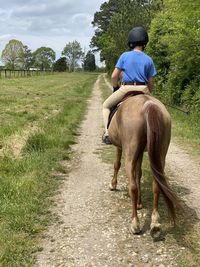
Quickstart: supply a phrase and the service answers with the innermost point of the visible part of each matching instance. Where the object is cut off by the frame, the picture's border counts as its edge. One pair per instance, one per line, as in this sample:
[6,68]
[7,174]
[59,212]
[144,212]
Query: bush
[191,97]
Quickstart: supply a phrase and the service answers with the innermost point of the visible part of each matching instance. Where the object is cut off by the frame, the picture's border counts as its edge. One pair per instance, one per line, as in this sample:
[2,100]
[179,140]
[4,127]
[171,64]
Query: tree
[28,58]
[112,39]
[89,61]
[73,53]
[13,54]
[60,64]
[44,58]
[129,11]
[174,45]
[102,19]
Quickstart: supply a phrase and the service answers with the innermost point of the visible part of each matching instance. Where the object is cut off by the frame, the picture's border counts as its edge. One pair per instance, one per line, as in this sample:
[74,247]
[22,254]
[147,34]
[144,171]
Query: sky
[50,23]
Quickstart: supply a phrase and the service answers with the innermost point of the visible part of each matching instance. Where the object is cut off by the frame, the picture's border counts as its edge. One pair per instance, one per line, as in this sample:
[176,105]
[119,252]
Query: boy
[137,71]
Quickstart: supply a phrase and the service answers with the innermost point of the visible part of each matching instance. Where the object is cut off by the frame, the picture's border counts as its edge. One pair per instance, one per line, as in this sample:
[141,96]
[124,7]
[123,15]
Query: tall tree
[44,58]
[13,54]
[175,47]
[102,19]
[60,64]
[73,53]
[112,40]
[89,61]
[28,58]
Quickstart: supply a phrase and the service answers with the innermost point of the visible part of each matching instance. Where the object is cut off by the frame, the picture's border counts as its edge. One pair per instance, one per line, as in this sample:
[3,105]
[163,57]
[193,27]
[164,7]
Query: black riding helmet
[138,36]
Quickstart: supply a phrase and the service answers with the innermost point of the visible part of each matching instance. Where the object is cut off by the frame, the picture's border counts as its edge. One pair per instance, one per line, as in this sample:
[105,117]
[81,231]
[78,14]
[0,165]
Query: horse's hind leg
[138,180]
[155,229]
[117,165]
[133,191]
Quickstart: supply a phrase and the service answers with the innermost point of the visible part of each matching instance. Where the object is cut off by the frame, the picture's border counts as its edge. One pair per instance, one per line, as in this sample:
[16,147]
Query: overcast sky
[50,23]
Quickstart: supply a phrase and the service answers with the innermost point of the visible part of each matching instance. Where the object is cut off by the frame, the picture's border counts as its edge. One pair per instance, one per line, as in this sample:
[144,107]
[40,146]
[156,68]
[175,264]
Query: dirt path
[187,174]
[93,225]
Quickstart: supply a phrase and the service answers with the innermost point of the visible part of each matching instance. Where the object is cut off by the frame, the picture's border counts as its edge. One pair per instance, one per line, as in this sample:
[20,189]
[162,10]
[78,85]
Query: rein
[179,109]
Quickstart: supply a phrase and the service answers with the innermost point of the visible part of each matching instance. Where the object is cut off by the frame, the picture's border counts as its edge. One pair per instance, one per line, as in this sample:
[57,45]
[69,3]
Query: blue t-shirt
[136,67]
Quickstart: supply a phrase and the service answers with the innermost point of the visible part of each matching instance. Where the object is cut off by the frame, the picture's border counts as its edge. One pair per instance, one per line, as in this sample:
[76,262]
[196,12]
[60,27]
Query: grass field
[39,119]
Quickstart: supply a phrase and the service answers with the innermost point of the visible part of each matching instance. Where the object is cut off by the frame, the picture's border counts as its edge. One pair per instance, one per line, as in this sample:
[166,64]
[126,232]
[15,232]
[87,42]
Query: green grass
[185,131]
[36,97]
[185,128]
[27,182]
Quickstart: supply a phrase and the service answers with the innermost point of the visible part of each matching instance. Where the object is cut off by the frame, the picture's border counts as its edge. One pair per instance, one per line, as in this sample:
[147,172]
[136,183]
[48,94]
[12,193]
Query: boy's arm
[151,84]
[115,77]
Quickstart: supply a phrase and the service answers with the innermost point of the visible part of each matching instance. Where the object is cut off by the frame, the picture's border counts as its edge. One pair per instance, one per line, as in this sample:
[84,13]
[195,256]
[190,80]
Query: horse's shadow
[184,223]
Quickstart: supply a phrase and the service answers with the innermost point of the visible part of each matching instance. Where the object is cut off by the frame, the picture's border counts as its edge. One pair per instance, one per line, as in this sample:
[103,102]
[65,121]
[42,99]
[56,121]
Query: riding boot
[106,140]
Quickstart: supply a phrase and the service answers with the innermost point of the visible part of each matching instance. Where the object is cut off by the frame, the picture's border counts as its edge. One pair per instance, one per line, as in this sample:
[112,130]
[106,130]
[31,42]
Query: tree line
[174,31]
[17,56]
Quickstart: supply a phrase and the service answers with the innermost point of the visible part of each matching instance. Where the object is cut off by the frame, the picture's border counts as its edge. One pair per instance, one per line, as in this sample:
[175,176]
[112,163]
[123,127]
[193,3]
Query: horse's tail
[157,131]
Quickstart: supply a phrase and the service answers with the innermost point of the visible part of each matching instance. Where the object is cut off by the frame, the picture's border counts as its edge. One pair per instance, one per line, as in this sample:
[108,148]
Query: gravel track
[92,229]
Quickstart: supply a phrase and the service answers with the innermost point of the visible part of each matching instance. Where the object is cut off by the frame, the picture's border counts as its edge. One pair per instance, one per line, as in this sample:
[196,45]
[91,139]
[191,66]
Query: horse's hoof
[135,230]
[139,206]
[156,233]
[112,188]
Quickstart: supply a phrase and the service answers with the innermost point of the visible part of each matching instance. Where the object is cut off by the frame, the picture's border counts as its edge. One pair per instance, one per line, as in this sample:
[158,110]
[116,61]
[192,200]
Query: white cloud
[5,37]
[51,23]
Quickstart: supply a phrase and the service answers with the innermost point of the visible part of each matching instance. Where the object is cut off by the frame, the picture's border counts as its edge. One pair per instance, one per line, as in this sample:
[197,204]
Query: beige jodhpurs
[115,98]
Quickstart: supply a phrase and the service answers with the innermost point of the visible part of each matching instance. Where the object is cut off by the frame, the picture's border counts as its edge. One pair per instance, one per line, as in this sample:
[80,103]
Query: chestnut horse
[143,123]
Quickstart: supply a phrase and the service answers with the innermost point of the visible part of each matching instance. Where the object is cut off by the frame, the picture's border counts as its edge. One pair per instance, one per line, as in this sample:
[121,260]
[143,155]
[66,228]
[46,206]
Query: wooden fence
[5,73]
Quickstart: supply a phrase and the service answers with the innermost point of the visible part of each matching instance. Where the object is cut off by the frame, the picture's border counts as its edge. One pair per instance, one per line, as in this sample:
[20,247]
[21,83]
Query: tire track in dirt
[92,229]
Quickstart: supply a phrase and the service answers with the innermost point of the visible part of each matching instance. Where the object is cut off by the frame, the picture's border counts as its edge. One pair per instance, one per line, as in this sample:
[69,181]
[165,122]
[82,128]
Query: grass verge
[28,182]
[185,131]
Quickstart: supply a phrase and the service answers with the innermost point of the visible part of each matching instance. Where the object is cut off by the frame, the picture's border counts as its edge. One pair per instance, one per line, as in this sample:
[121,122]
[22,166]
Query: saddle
[115,108]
